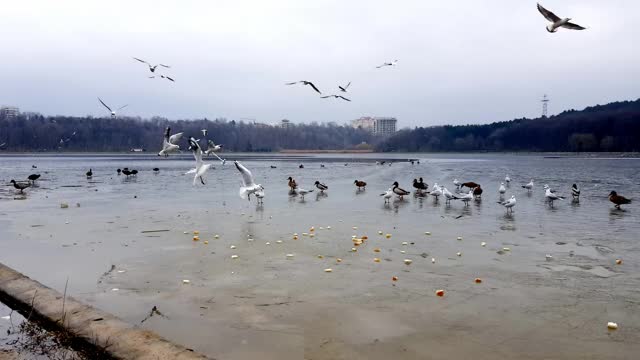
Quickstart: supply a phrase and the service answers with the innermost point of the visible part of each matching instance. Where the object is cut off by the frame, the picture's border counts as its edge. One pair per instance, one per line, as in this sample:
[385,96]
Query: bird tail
[192,171]
[524,187]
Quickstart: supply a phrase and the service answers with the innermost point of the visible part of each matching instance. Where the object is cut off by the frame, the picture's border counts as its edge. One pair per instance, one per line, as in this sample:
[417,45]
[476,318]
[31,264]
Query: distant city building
[384,125]
[286,124]
[364,123]
[376,125]
[9,112]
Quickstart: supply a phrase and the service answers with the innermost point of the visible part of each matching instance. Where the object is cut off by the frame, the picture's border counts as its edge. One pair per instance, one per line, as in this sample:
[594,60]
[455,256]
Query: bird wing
[169,78]
[383,65]
[548,14]
[122,107]
[573,26]
[163,65]
[142,61]
[167,133]
[324,97]
[343,98]
[247,177]
[314,87]
[175,138]
[197,151]
[291,83]
[346,87]
[105,105]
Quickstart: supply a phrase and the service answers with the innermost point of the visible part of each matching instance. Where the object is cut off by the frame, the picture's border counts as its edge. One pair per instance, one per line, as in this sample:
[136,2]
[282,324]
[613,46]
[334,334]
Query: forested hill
[611,127]
[59,133]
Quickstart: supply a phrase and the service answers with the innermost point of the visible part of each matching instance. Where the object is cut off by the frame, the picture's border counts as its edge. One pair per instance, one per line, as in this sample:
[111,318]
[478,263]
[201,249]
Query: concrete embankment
[91,327]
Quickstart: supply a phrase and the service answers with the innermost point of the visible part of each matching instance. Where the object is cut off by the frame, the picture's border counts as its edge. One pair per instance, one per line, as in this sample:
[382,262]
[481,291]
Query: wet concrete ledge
[92,327]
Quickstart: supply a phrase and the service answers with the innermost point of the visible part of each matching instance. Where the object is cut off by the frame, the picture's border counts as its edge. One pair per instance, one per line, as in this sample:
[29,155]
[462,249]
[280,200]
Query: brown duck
[618,200]
[292,184]
[360,184]
[470,185]
[477,192]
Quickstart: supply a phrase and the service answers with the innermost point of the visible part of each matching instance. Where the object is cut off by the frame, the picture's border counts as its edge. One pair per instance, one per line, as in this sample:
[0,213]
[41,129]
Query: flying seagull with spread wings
[170,142]
[113,112]
[335,96]
[152,68]
[393,63]
[557,22]
[304,82]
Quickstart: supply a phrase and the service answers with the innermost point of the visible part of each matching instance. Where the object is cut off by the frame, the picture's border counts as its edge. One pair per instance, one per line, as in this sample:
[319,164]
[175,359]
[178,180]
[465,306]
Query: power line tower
[545,102]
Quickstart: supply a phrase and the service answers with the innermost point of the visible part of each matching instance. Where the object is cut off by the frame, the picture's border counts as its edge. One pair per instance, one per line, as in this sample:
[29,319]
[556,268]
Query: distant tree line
[34,132]
[611,127]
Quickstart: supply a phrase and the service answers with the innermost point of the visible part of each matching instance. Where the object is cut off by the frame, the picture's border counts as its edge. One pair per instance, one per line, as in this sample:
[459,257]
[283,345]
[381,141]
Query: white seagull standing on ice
[248,185]
[529,186]
[448,195]
[113,112]
[509,204]
[456,183]
[557,22]
[502,189]
[436,191]
[507,179]
[387,195]
[302,192]
[201,167]
[467,197]
[170,142]
[551,196]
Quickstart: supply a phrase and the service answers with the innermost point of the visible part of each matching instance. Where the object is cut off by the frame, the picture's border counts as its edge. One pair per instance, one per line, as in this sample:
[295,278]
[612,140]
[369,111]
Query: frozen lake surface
[265,305]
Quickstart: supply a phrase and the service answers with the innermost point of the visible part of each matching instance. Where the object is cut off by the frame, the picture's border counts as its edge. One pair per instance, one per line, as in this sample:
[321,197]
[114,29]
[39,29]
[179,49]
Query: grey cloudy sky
[464,61]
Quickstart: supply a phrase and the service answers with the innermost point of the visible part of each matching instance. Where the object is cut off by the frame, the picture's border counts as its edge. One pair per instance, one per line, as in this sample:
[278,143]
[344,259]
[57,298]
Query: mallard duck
[89,173]
[320,186]
[33,178]
[477,192]
[618,199]
[292,184]
[399,191]
[360,184]
[20,185]
[575,191]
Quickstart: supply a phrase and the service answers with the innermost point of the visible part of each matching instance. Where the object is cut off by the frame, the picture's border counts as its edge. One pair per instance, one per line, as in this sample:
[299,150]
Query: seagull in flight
[393,63]
[344,89]
[335,96]
[557,22]
[248,185]
[113,112]
[204,132]
[304,82]
[170,142]
[152,68]
[201,168]
[212,148]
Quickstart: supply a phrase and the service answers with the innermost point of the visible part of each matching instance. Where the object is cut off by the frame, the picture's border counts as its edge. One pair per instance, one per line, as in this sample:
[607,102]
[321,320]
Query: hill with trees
[611,127]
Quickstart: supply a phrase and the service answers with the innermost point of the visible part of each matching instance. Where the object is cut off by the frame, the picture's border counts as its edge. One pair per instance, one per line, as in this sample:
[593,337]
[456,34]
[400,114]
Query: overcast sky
[464,61]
